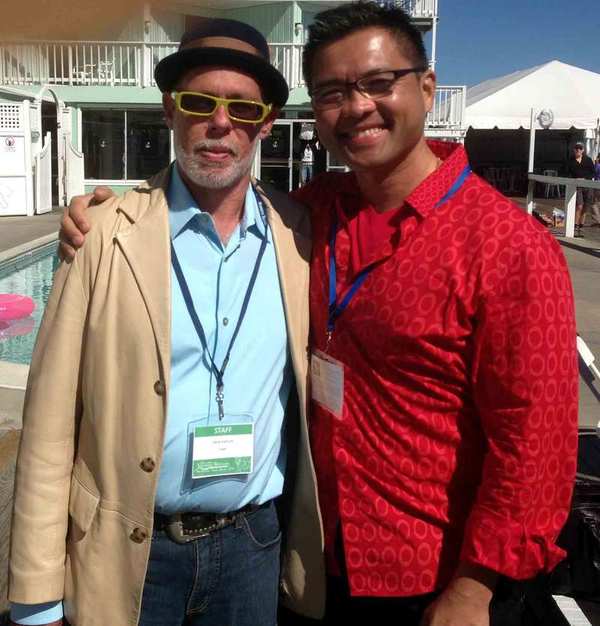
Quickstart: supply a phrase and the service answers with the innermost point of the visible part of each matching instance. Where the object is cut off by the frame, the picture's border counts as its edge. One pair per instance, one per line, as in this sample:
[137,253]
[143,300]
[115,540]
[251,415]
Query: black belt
[186,527]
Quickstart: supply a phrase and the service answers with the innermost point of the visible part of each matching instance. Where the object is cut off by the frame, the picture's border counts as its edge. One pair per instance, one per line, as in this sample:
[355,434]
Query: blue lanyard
[189,303]
[335,309]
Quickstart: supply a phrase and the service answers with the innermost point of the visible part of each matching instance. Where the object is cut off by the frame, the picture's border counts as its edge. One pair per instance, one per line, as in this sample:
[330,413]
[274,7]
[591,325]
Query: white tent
[570,93]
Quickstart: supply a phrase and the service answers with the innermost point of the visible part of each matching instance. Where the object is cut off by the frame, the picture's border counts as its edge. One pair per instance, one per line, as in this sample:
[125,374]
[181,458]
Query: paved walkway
[17,231]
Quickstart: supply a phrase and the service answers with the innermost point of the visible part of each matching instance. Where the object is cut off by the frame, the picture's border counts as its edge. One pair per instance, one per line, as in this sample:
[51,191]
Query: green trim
[109,95]
[118,188]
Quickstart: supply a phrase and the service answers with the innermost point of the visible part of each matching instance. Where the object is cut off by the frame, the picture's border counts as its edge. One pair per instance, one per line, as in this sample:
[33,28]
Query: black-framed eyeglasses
[373,86]
[203,104]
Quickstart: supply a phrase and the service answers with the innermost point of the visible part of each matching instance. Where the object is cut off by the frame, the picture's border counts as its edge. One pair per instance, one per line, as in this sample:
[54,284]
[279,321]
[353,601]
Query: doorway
[285,156]
[49,124]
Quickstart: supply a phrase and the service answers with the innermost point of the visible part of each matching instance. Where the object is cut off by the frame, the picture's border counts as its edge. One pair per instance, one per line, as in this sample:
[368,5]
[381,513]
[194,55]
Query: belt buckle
[175,531]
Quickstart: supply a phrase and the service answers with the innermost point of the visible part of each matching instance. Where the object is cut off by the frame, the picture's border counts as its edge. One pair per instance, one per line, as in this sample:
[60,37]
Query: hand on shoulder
[74,224]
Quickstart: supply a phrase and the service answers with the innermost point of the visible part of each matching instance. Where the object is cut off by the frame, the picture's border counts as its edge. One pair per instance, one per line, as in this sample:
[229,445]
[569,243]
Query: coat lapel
[146,247]
[292,250]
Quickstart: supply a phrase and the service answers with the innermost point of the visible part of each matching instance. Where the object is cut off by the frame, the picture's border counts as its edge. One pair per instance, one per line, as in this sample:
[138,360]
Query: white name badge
[222,450]
[327,382]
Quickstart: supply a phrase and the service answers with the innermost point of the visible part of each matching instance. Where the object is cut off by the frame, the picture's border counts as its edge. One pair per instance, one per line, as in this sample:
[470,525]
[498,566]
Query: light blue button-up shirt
[258,377]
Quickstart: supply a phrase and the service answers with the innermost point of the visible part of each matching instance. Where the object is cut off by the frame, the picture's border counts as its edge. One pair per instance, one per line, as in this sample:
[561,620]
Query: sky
[482,39]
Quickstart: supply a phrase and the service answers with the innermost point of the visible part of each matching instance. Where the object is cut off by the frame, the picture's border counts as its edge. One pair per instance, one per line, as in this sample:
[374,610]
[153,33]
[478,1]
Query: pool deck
[16,232]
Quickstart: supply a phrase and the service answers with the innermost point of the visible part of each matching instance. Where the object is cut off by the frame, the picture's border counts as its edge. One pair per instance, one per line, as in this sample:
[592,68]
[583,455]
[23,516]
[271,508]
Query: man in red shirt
[444,424]
[444,372]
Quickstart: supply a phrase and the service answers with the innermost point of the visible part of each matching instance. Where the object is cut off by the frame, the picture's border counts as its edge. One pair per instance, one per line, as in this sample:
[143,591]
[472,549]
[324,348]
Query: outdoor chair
[551,188]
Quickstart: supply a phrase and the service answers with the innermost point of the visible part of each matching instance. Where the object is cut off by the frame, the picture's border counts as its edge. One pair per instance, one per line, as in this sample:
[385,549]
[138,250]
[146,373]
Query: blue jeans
[306,172]
[229,578]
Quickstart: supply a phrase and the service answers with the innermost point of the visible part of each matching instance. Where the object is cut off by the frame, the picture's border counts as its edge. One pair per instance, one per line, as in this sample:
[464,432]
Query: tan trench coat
[95,411]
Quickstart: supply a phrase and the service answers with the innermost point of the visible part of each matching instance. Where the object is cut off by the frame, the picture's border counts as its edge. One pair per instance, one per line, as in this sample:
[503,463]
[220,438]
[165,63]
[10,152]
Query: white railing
[108,63]
[72,63]
[153,53]
[448,109]
[419,8]
[287,58]
[570,185]
[113,63]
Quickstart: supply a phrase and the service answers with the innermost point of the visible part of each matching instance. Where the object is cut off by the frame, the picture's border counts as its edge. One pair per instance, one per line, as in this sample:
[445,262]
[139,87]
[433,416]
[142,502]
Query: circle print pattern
[459,363]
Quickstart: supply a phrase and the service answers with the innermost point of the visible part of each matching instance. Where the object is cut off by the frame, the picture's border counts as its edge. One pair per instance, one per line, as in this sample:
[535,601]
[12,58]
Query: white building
[98,102]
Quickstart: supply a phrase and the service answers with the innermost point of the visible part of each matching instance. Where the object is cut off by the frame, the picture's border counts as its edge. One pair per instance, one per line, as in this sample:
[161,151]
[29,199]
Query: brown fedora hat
[227,43]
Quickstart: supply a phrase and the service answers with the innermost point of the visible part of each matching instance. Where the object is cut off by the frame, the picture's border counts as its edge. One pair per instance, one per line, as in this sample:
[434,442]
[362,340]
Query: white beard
[216,176]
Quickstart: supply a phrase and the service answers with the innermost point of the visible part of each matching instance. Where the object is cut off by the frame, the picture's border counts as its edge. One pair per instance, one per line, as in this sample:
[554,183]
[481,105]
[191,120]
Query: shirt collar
[429,192]
[426,196]
[183,208]
[375,236]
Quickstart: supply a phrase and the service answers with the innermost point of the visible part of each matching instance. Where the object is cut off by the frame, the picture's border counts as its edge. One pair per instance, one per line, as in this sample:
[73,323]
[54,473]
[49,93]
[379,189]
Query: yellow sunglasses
[194,103]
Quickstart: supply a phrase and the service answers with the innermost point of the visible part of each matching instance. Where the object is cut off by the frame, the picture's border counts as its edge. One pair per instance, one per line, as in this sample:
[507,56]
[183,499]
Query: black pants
[514,604]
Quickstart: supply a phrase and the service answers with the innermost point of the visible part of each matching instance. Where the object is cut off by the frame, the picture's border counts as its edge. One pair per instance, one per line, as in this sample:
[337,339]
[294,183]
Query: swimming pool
[29,274]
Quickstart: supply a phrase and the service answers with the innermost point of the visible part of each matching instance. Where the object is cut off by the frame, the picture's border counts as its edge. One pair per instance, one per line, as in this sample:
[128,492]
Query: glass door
[276,156]
[292,155]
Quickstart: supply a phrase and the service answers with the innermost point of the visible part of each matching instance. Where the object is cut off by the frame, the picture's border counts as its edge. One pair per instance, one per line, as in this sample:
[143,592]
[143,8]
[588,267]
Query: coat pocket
[83,505]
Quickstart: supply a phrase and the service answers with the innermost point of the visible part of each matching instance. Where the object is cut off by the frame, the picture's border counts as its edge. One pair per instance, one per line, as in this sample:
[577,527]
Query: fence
[570,185]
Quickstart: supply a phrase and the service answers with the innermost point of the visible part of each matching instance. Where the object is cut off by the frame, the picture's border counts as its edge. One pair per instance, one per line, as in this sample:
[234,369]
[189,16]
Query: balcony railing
[131,64]
[419,8]
[108,63]
[448,109]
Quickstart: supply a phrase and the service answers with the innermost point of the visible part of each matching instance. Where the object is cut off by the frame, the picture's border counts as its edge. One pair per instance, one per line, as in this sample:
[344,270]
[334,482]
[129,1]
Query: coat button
[148,464]
[139,535]
[159,388]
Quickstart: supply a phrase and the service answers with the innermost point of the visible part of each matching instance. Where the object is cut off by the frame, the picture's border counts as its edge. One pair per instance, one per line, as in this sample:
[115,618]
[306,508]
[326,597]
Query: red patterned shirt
[458,436]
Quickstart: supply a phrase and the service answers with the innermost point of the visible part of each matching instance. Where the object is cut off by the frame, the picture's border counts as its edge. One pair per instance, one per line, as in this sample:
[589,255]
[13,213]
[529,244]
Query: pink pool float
[14,306]
[16,328]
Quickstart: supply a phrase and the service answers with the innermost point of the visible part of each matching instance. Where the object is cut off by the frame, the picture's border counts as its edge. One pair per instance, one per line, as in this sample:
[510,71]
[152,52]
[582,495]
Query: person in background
[306,163]
[580,165]
[596,203]
[443,368]
[166,401]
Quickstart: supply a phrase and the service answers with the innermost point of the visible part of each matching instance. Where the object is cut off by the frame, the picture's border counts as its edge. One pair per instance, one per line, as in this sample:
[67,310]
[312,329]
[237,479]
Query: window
[124,145]
[103,143]
[147,144]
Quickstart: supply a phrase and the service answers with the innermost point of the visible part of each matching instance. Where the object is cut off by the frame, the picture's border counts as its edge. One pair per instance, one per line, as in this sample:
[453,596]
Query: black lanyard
[189,303]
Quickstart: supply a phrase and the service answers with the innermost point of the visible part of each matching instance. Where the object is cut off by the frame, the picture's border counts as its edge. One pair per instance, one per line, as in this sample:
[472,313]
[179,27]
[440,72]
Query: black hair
[336,23]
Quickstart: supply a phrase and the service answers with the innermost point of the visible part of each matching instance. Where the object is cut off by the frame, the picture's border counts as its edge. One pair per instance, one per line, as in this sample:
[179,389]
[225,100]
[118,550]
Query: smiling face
[367,134]
[215,152]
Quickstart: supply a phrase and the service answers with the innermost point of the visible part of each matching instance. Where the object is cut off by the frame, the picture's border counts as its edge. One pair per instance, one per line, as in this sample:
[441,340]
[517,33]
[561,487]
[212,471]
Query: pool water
[30,274]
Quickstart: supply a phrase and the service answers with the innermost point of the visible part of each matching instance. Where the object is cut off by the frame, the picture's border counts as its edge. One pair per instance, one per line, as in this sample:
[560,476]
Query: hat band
[222,42]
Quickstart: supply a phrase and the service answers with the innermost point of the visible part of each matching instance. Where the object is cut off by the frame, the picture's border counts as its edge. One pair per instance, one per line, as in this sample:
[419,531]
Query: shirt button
[225,321]
[159,388]
[148,464]
[139,535]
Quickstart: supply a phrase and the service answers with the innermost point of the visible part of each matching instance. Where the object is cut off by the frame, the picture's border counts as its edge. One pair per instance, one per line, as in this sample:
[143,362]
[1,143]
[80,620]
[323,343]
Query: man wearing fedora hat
[167,393]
